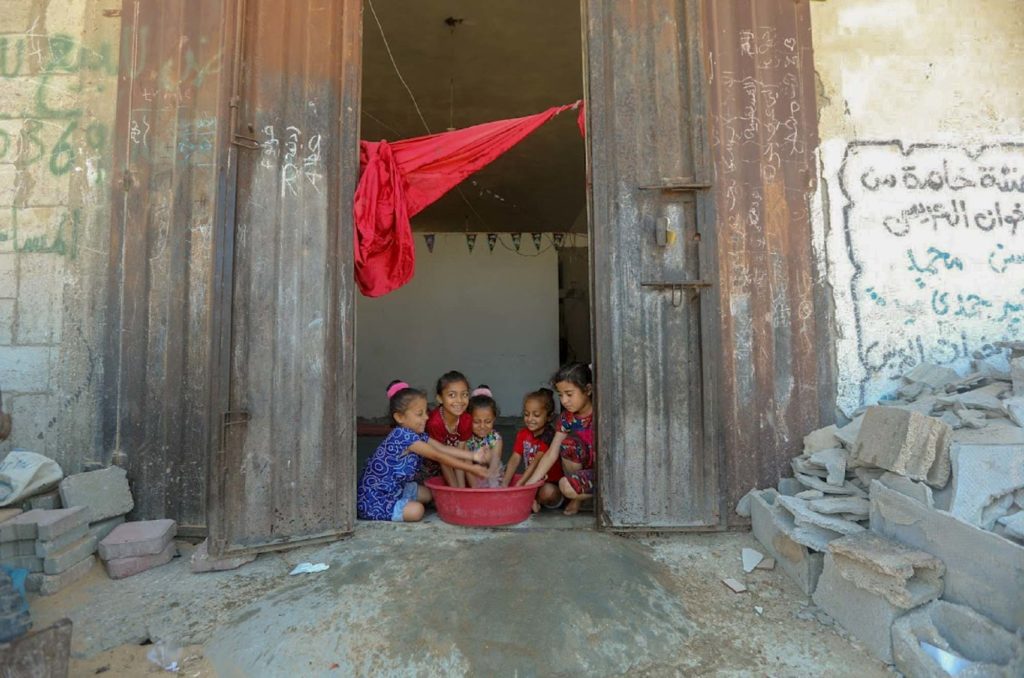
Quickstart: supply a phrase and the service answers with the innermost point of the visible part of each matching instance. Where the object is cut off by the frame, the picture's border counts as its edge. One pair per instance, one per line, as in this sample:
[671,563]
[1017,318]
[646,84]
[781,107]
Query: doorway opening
[501,291]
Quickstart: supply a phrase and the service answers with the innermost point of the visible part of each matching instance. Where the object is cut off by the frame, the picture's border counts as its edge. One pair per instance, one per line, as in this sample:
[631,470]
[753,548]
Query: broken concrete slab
[1017,376]
[911,488]
[119,568]
[801,564]
[789,486]
[986,398]
[1014,524]
[21,526]
[990,649]
[981,475]
[750,559]
[201,560]
[814,483]
[803,516]
[1000,431]
[42,548]
[935,376]
[1014,408]
[833,460]
[138,538]
[57,562]
[981,567]
[865,474]
[848,434]
[105,492]
[971,418]
[822,439]
[856,506]
[866,616]
[809,494]
[104,527]
[802,466]
[743,505]
[905,442]
[48,584]
[52,524]
[904,576]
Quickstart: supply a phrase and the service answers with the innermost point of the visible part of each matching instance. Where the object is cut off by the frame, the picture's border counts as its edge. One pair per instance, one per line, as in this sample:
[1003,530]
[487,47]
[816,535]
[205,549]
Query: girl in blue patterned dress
[387,489]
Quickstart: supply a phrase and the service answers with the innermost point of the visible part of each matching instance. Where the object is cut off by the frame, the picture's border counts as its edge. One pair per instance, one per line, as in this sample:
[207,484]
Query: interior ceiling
[499,60]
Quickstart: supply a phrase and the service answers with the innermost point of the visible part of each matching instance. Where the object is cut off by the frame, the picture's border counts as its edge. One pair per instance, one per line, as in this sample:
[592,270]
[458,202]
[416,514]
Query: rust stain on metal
[774,378]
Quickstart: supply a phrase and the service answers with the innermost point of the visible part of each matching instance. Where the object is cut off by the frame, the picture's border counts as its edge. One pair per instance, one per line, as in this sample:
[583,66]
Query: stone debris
[750,559]
[46,500]
[834,462]
[771,526]
[905,442]
[1014,408]
[766,564]
[989,649]
[743,505]
[1017,376]
[804,516]
[737,587]
[819,484]
[809,494]
[202,561]
[102,528]
[934,376]
[822,439]
[1014,525]
[985,477]
[105,492]
[904,576]
[855,506]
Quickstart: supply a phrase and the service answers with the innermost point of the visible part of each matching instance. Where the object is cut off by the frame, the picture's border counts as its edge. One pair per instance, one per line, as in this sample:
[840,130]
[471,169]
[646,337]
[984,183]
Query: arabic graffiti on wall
[935,236]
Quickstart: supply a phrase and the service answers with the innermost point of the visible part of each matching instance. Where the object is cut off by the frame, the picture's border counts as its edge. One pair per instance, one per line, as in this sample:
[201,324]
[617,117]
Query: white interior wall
[491,315]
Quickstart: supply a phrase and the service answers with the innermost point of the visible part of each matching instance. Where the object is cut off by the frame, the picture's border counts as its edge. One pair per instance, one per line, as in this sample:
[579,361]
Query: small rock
[750,559]
[758,609]
[743,505]
[768,564]
[736,586]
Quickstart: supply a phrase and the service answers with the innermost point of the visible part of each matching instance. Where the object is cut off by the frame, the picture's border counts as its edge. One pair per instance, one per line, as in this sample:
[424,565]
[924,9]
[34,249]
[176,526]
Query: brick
[30,563]
[102,528]
[52,524]
[905,577]
[866,616]
[119,568]
[22,526]
[981,475]
[47,500]
[905,442]
[48,584]
[25,369]
[993,650]
[801,564]
[22,547]
[201,560]
[105,492]
[139,538]
[43,548]
[55,563]
[982,569]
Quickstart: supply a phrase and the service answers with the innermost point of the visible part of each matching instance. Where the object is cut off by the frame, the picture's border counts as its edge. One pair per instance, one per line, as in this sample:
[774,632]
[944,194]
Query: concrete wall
[58,85]
[491,315]
[921,192]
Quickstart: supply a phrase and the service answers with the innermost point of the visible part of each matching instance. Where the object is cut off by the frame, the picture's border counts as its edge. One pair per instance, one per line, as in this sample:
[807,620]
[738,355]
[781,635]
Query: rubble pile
[913,507]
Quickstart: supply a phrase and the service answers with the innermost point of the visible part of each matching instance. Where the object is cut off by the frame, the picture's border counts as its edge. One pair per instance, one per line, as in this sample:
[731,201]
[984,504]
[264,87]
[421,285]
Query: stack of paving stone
[105,492]
[55,546]
[907,523]
[135,547]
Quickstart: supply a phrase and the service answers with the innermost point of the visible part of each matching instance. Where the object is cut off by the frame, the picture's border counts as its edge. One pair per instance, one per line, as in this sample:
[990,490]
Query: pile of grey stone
[906,525]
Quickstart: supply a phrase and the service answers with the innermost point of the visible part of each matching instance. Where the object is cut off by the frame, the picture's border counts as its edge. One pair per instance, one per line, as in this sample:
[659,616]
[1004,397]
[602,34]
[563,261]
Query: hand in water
[482,456]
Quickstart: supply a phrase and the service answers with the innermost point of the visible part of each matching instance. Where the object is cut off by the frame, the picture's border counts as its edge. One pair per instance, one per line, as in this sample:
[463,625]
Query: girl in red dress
[450,424]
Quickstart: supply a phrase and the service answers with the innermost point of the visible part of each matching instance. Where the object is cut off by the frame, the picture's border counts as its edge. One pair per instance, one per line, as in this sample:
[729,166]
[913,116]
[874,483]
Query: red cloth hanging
[401,178]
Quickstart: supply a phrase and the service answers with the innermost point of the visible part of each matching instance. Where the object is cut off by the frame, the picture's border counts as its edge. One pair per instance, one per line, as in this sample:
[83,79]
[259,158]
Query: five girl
[458,440]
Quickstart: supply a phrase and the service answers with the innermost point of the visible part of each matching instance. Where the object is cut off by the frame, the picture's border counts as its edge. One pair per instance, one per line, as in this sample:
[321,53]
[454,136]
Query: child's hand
[482,456]
[480,471]
[536,506]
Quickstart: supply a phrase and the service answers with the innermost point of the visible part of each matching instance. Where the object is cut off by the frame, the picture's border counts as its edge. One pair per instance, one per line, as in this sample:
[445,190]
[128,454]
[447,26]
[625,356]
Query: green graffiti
[5,143]
[7,70]
[66,55]
[45,89]
[63,155]
[96,136]
[63,242]
[31,147]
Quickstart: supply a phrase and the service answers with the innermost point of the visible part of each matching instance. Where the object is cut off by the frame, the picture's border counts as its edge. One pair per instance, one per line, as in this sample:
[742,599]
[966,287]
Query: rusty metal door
[157,357]
[284,470]
[652,264]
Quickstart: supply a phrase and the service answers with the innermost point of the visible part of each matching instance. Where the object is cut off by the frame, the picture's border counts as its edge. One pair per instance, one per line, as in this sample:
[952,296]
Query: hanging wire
[395,65]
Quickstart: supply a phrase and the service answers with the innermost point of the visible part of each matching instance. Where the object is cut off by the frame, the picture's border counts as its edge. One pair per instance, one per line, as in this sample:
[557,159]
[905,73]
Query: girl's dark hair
[482,400]
[578,374]
[400,401]
[545,395]
[449,378]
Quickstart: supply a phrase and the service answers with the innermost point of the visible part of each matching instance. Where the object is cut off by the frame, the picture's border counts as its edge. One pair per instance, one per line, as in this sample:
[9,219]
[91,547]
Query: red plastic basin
[482,507]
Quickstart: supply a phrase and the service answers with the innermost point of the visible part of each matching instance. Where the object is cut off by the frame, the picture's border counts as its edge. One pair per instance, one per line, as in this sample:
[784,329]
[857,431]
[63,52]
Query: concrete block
[801,564]
[119,568]
[202,562]
[46,501]
[803,516]
[905,577]
[139,538]
[1017,376]
[822,439]
[855,506]
[57,562]
[834,462]
[43,548]
[982,568]
[21,526]
[8,513]
[992,650]
[52,524]
[30,563]
[905,442]
[12,549]
[105,492]
[866,616]
[48,584]
[911,488]
[982,474]
[104,527]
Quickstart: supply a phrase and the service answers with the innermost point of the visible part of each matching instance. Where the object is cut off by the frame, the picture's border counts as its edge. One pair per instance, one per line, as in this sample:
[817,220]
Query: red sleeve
[465,426]
[563,420]
[435,426]
[517,446]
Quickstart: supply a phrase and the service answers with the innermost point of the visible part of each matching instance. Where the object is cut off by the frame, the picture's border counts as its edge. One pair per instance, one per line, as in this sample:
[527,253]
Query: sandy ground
[259,621]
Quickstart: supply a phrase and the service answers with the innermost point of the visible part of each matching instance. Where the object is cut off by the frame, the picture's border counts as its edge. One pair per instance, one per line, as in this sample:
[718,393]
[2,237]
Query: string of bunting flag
[557,240]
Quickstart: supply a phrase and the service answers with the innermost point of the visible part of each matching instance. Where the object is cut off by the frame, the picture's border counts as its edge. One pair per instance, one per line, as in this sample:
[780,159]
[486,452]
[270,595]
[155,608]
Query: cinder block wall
[58,87]
[921,191]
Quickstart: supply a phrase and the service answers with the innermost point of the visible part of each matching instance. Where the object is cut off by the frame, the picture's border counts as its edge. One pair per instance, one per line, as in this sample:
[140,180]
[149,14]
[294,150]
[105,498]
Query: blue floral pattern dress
[389,471]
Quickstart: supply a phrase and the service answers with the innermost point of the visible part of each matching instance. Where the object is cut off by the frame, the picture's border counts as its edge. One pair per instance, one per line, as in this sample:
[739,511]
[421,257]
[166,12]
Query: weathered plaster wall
[58,85]
[920,210]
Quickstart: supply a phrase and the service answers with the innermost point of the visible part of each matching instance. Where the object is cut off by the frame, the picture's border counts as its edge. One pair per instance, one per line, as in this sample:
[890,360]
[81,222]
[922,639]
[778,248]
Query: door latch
[663,235]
